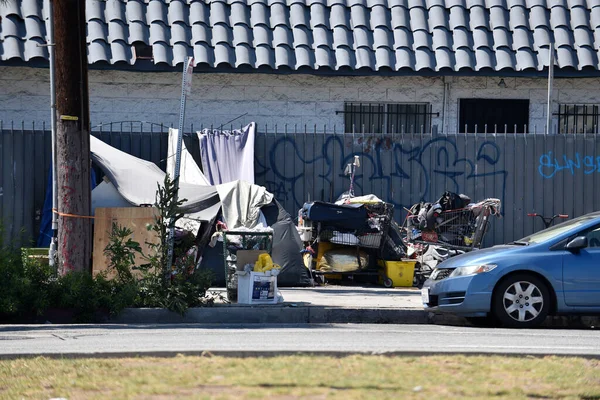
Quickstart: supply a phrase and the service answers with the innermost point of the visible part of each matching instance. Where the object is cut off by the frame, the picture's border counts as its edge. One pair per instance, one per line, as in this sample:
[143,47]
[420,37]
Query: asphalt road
[256,339]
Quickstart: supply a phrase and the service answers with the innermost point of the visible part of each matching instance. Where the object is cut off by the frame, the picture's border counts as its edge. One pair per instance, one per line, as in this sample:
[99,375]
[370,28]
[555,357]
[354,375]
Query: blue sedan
[554,271]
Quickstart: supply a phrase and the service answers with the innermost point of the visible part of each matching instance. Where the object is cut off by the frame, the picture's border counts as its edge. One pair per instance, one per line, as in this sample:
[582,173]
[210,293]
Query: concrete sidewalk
[323,305]
[354,297]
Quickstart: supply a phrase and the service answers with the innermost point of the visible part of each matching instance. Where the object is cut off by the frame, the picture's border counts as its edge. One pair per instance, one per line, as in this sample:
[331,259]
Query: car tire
[521,301]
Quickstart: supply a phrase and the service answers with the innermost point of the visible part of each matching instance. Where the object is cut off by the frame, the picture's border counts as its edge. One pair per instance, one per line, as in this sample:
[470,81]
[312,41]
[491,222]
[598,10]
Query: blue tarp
[45,236]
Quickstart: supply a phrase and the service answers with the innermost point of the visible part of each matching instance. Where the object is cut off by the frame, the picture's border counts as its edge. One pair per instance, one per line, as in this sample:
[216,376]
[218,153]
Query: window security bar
[437,114]
[578,118]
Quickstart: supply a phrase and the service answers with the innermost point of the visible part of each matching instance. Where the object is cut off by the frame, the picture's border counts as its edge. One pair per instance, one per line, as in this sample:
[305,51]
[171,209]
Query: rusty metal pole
[72,137]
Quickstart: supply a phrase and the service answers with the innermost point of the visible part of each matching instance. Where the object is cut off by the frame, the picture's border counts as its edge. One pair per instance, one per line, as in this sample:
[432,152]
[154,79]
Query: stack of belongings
[357,222]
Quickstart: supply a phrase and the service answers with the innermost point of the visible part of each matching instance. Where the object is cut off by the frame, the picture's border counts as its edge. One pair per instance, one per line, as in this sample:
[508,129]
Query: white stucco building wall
[274,100]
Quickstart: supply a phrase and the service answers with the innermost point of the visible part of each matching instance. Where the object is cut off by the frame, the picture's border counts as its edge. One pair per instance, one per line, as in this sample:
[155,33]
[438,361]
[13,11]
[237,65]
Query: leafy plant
[40,279]
[121,251]
[169,212]
[76,292]
[177,287]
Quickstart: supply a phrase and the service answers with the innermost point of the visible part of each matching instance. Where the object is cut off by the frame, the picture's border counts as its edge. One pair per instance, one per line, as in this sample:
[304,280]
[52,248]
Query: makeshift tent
[136,181]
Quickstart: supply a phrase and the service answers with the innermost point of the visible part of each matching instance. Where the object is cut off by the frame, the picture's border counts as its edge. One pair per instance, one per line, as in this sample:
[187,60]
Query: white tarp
[105,195]
[189,171]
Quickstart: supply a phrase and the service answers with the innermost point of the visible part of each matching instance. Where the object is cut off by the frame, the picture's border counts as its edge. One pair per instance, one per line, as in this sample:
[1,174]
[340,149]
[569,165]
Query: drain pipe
[53,243]
[445,107]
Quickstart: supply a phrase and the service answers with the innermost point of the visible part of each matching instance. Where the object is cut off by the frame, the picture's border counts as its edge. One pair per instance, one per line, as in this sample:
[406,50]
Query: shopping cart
[462,229]
[453,232]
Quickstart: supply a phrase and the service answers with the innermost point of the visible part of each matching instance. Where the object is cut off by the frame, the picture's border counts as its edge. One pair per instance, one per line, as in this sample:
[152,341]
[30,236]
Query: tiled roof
[390,35]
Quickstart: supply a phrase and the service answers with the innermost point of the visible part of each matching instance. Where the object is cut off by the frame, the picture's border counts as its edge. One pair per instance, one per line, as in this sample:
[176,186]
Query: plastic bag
[265,263]
[343,260]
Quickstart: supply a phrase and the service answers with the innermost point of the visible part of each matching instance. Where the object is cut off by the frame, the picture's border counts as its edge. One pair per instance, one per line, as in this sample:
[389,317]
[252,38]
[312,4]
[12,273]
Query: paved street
[171,339]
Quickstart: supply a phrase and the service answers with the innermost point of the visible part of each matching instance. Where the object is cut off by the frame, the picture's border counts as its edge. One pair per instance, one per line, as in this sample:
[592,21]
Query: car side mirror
[580,242]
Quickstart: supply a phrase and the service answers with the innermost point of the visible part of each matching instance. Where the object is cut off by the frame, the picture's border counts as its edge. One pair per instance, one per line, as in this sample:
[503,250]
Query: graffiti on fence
[417,167]
[550,165]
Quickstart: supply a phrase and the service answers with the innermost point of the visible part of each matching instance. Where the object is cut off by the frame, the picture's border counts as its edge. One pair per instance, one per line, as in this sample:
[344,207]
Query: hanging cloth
[228,156]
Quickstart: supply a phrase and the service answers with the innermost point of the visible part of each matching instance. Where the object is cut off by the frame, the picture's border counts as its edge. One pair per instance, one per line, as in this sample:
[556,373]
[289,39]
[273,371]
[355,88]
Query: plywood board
[135,218]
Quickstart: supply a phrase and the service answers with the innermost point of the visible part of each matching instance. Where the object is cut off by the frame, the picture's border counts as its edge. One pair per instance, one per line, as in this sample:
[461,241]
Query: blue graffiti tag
[549,166]
[418,165]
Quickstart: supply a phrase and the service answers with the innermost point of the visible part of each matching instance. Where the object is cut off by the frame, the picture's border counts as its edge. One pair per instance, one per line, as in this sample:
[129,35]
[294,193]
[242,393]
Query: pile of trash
[453,221]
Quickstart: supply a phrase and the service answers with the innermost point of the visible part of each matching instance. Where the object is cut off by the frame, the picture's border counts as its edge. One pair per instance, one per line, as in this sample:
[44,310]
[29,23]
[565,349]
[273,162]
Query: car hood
[484,256]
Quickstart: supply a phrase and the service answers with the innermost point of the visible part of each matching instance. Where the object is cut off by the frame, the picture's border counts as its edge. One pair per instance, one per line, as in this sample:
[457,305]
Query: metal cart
[456,231]
[373,236]
[233,241]
[461,229]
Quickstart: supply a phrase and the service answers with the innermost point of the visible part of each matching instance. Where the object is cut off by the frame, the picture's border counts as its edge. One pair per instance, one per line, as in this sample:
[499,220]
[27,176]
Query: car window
[557,230]
[593,237]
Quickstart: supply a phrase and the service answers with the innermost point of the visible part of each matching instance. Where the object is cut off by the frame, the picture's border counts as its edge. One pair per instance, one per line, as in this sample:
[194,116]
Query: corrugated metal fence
[547,174]
[26,157]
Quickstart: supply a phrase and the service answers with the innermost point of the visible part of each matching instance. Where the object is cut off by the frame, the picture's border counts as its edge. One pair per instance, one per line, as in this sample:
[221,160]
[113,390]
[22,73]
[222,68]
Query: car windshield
[556,230]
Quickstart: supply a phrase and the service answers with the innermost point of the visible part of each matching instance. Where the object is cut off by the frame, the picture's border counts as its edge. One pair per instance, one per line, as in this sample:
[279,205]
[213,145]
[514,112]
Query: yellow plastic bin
[397,273]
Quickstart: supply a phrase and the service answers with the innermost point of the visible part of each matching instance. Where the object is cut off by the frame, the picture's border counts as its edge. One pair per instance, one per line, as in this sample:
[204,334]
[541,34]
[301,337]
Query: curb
[284,353]
[273,315]
[235,314]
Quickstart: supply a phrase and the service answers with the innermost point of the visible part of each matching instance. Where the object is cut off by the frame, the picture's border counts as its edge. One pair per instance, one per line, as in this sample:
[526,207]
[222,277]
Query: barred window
[387,118]
[578,118]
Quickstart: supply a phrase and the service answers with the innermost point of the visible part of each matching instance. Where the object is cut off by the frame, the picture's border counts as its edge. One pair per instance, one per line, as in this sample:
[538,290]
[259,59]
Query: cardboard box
[257,287]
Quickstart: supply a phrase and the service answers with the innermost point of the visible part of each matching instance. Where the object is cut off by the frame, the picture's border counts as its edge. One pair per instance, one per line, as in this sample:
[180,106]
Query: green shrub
[40,280]
[24,285]
[30,288]
[14,287]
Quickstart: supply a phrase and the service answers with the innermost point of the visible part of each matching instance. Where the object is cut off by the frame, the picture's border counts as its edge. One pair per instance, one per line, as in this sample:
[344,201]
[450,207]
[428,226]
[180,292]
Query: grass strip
[291,377]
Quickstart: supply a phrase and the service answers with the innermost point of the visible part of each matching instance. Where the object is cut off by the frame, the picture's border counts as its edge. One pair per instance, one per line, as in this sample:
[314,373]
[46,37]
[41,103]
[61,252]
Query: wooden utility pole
[72,137]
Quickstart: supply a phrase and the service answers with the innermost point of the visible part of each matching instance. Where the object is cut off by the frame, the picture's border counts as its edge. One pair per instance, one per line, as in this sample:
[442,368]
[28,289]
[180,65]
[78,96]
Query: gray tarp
[137,181]
[244,201]
[105,195]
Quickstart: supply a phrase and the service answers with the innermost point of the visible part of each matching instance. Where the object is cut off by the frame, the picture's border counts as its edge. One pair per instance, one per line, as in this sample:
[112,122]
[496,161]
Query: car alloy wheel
[523,301]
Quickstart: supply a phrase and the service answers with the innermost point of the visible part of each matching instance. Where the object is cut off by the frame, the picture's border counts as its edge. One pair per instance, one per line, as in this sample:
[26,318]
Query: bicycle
[548,220]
